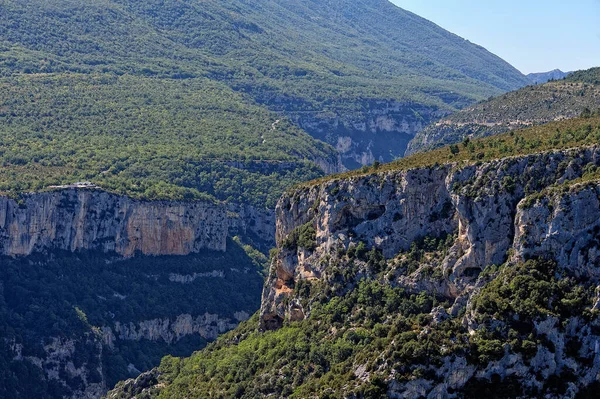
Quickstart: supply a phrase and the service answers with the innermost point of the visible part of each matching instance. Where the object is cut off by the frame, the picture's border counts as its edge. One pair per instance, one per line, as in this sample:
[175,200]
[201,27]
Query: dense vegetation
[363,330]
[590,76]
[148,138]
[577,94]
[572,133]
[68,296]
[313,53]
[169,99]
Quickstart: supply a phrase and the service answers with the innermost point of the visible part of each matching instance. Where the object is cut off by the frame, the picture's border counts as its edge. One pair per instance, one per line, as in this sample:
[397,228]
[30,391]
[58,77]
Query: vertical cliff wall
[90,219]
[389,211]
[378,131]
[100,286]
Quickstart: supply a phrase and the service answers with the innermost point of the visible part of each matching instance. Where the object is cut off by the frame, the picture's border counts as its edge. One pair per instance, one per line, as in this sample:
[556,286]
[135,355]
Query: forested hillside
[340,70]
[149,138]
[578,94]
[189,119]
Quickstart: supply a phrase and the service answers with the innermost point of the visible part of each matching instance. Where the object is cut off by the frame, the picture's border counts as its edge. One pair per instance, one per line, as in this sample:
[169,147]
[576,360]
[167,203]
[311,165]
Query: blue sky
[532,35]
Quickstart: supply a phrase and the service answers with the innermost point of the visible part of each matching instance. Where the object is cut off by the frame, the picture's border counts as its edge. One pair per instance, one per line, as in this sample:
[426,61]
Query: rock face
[61,361]
[479,203]
[77,219]
[208,326]
[144,385]
[256,224]
[51,231]
[504,212]
[380,131]
[81,219]
[562,225]
[59,364]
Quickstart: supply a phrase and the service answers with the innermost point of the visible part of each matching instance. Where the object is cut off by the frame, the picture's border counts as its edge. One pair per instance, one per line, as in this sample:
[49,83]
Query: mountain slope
[189,119]
[150,138]
[432,277]
[543,77]
[533,105]
[365,72]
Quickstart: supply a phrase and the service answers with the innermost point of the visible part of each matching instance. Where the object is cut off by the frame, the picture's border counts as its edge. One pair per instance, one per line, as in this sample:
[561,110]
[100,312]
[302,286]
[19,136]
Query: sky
[532,35]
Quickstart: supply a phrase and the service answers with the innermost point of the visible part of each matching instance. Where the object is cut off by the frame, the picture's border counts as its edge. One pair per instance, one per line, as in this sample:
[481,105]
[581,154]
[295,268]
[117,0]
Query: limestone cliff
[208,326]
[502,212]
[379,131]
[452,281]
[256,225]
[479,203]
[563,225]
[120,281]
[90,219]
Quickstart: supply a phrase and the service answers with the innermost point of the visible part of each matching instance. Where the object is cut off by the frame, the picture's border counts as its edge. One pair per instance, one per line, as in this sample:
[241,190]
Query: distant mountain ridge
[543,77]
[533,105]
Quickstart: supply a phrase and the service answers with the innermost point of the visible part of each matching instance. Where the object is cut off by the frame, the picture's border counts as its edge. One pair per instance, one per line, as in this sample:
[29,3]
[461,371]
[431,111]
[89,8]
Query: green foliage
[591,76]
[531,290]
[383,330]
[292,51]
[148,138]
[304,237]
[168,100]
[519,296]
[70,296]
[575,96]
[309,359]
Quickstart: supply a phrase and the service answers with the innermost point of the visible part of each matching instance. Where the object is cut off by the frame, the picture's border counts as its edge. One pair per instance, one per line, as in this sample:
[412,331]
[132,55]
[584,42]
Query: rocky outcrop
[62,364]
[91,219]
[76,364]
[380,131]
[145,385]
[562,225]
[480,203]
[72,224]
[208,326]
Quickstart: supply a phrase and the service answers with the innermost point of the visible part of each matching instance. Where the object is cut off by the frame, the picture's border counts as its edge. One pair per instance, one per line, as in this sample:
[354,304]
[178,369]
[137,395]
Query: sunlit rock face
[484,205]
[91,219]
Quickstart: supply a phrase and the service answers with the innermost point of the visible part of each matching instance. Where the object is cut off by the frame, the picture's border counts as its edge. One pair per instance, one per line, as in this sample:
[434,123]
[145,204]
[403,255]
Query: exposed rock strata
[390,210]
[81,219]
[255,223]
[379,131]
[59,364]
[77,219]
[563,225]
[208,326]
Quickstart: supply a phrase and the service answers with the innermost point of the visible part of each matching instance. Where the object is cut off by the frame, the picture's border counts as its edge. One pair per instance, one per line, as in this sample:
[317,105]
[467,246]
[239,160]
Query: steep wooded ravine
[452,279]
[96,287]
